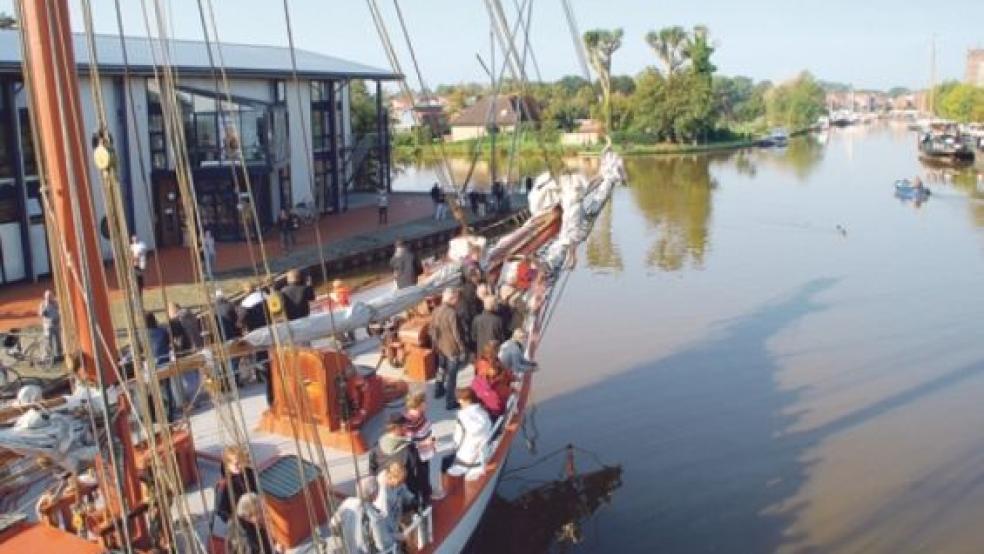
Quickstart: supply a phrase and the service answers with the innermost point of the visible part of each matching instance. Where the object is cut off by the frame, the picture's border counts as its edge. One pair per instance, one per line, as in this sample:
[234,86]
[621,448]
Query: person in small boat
[487,326]
[250,536]
[471,435]
[237,480]
[511,353]
[917,183]
[418,429]
[448,338]
[297,296]
[405,265]
[393,497]
[363,527]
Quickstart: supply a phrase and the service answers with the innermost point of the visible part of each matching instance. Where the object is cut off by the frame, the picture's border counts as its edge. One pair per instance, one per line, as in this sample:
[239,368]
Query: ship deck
[210,438]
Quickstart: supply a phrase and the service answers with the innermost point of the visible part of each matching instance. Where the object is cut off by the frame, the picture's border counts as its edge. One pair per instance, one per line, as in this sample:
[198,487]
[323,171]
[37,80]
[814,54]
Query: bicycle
[29,348]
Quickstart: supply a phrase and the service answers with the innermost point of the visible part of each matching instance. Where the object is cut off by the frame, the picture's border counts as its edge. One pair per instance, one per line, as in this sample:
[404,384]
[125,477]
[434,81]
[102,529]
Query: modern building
[975,67]
[292,138]
[502,113]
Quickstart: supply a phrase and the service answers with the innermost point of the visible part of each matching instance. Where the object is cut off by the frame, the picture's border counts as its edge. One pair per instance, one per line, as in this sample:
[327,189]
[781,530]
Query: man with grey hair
[487,326]
[352,512]
[447,338]
[511,353]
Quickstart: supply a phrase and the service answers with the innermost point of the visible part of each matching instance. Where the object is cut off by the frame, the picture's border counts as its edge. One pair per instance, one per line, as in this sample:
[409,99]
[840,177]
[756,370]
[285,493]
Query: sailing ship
[116,476]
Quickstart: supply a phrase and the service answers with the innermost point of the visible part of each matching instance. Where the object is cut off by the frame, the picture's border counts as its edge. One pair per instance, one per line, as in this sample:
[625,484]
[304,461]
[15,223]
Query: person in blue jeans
[447,338]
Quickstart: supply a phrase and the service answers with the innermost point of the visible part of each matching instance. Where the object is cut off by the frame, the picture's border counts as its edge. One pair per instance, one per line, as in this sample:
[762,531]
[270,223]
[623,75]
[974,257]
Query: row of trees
[680,98]
[960,102]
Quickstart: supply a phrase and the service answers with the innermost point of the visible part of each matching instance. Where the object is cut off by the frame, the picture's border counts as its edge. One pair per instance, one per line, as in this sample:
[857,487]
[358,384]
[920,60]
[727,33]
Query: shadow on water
[701,434]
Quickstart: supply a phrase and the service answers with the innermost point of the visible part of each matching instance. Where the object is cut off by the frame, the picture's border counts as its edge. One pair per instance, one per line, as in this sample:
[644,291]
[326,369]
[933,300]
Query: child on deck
[418,429]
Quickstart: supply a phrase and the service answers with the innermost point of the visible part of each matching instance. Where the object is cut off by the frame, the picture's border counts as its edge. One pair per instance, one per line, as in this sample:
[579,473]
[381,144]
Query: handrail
[422,525]
[487,447]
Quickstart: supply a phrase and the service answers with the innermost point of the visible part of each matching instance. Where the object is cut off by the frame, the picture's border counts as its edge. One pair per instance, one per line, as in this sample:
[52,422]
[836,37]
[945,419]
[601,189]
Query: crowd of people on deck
[476,322]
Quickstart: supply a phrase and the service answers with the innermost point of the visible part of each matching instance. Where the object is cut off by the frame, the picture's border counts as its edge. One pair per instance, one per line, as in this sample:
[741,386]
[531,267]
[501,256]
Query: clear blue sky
[869,43]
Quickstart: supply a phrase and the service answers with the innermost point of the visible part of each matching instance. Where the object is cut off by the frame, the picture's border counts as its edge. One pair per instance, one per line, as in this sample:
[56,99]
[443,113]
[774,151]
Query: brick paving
[407,212]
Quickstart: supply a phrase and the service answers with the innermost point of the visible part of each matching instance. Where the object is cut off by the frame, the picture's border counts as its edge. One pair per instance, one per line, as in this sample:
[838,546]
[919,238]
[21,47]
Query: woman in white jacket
[471,437]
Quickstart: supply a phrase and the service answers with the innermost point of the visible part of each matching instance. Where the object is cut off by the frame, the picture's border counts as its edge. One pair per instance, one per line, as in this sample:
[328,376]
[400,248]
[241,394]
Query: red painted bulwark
[37,538]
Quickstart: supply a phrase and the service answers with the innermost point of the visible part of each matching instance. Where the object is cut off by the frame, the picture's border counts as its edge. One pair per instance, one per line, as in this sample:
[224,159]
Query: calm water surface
[780,356]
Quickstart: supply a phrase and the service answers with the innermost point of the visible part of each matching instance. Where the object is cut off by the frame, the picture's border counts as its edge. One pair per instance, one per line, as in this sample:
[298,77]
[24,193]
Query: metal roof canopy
[190,58]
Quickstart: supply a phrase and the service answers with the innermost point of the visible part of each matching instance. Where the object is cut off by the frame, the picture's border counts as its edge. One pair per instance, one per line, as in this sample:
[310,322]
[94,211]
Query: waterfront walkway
[351,240]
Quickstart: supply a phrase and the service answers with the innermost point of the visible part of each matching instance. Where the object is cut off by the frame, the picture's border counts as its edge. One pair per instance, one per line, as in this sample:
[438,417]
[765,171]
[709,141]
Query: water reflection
[602,252]
[549,517]
[674,196]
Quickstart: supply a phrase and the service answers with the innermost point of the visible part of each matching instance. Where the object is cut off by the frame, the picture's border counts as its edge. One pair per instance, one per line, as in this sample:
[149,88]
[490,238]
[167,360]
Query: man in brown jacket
[448,339]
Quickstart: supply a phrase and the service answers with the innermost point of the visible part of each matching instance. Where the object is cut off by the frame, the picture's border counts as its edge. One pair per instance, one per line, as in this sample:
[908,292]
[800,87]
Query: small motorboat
[905,190]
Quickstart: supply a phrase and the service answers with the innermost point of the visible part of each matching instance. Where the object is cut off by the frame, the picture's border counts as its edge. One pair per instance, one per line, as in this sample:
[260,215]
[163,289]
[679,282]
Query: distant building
[975,67]
[427,113]
[509,110]
[256,132]
[588,132]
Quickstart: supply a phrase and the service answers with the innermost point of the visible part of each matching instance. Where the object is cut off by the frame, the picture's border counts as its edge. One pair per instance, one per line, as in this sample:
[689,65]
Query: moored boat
[943,145]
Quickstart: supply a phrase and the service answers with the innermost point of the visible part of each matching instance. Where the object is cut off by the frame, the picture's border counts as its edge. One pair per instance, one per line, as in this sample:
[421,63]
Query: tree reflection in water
[674,195]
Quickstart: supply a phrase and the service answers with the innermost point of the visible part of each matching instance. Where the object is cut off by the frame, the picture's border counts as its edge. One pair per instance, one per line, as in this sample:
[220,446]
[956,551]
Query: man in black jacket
[405,265]
[297,296]
[487,326]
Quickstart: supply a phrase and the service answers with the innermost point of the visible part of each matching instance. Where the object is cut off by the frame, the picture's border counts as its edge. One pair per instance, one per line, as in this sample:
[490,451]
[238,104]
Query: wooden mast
[50,65]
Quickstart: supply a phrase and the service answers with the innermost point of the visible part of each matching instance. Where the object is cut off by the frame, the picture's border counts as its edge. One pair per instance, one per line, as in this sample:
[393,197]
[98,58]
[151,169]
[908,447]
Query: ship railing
[421,528]
[488,449]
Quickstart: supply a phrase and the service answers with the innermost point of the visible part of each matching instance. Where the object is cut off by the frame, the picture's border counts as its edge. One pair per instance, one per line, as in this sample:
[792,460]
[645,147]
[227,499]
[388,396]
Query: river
[778,354]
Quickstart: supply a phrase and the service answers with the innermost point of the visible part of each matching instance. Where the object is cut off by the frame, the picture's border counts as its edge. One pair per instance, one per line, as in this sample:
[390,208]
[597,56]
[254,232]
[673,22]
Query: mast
[932,77]
[50,68]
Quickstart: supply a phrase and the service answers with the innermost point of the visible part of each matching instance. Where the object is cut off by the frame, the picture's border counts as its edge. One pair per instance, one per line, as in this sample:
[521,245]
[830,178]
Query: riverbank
[528,147]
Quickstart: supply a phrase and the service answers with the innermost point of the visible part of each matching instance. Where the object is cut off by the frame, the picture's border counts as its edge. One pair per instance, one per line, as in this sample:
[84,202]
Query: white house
[265,121]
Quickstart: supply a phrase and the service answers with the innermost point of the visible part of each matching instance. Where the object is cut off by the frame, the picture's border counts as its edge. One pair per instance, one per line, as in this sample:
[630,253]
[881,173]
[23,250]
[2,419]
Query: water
[780,356]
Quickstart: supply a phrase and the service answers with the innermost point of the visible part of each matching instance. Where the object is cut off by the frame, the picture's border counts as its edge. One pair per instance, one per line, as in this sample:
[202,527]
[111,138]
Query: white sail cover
[579,201]
[63,434]
[360,315]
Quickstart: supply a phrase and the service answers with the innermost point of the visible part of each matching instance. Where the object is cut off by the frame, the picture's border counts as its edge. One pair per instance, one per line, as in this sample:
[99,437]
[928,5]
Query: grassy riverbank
[408,153]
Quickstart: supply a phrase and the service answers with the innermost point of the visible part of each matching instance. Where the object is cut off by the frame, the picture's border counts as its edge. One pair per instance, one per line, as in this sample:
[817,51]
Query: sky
[868,43]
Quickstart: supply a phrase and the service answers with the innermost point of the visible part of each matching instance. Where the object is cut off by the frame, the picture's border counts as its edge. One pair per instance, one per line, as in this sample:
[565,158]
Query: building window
[7,170]
[279,92]
[155,128]
[323,123]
